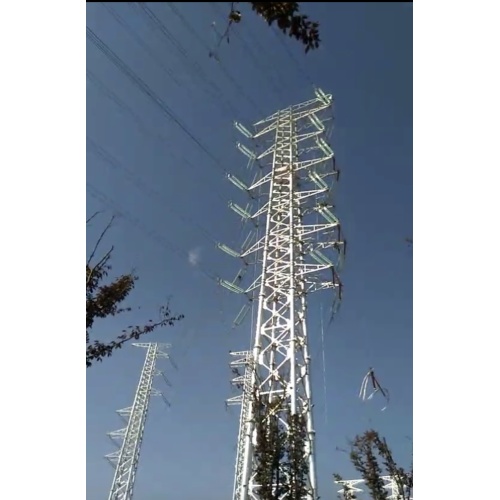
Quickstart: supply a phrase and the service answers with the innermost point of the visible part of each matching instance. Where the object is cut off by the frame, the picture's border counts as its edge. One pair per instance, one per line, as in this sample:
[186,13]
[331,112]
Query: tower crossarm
[298,112]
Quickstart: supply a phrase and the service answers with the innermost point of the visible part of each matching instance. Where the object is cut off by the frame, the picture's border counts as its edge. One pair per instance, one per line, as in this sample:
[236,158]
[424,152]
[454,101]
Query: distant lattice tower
[390,484]
[126,459]
[299,248]
[350,486]
[243,382]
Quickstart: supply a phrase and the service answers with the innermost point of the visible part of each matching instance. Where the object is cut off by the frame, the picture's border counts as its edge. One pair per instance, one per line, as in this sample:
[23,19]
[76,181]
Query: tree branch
[96,246]
[95,214]
[99,350]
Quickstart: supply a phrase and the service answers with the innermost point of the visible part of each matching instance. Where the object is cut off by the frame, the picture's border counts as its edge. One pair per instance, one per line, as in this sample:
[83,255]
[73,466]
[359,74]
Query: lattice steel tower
[390,484]
[299,248]
[126,458]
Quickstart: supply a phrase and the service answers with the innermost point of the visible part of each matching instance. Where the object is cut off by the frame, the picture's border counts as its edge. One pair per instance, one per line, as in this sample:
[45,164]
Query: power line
[158,138]
[140,42]
[196,68]
[204,44]
[110,94]
[134,179]
[298,66]
[255,59]
[104,48]
[262,50]
[153,235]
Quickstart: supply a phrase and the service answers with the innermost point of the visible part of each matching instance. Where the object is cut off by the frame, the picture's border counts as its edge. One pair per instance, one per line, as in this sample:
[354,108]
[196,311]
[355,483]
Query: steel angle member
[228,250]
[240,211]
[230,286]
[239,184]
[246,151]
[241,315]
[267,152]
[254,285]
[240,128]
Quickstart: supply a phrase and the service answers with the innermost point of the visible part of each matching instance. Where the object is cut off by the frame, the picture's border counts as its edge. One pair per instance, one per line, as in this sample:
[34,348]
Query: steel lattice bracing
[126,458]
[300,251]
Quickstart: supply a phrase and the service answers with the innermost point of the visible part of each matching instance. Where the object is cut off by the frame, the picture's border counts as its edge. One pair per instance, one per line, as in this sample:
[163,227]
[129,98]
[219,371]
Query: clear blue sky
[173,197]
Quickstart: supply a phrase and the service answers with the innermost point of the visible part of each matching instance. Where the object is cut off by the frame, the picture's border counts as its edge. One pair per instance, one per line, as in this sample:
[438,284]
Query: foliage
[372,458]
[269,449]
[288,19]
[281,464]
[105,297]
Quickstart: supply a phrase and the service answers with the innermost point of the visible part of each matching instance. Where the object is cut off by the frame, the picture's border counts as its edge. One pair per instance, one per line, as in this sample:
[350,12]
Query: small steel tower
[126,459]
[350,486]
[390,484]
[243,382]
[299,250]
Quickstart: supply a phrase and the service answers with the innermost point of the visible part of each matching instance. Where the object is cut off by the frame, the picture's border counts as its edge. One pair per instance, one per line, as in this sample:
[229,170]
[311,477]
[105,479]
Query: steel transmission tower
[243,382]
[350,486]
[390,484]
[126,459]
[299,248]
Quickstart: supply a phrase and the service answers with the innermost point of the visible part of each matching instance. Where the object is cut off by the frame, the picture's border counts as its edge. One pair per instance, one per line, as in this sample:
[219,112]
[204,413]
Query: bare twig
[98,265]
[99,350]
[95,214]
[96,246]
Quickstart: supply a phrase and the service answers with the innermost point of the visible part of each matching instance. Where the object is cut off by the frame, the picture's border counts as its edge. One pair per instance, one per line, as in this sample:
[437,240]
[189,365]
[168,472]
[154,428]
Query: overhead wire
[297,65]
[138,82]
[119,102]
[118,62]
[153,235]
[204,44]
[156,238]
[254,40]
[193,64]
[158,138]
[94,192]
[165,30]
[142,86]
[142,186]
[254,58]
[132,33]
